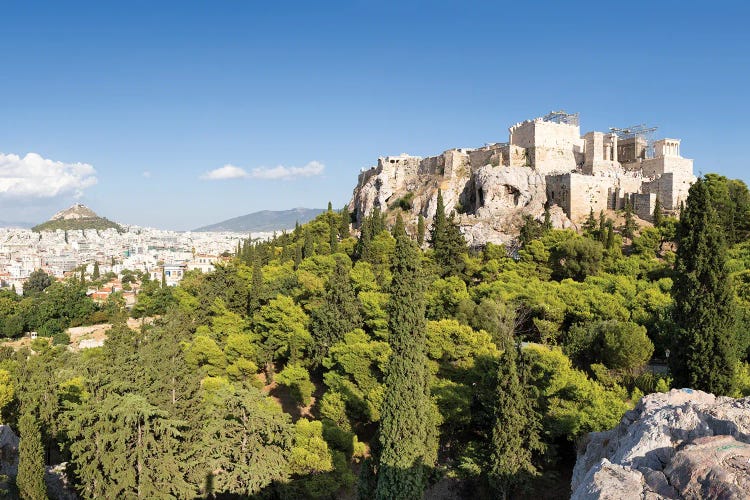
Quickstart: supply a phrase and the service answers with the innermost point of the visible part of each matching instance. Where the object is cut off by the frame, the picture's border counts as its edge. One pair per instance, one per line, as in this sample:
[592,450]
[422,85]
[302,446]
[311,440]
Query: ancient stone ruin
[546,162]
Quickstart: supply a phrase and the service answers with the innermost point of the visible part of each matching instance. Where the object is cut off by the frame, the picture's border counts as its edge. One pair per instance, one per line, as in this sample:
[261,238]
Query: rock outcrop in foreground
[681,444]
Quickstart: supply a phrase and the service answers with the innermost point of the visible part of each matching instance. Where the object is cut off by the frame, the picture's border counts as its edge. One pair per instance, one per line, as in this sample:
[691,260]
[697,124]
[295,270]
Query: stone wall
[550,147]
[643,205]
[671,188]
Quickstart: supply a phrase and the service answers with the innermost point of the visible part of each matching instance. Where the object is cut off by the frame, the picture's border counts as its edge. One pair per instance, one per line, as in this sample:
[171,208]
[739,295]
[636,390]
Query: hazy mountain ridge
[265,220]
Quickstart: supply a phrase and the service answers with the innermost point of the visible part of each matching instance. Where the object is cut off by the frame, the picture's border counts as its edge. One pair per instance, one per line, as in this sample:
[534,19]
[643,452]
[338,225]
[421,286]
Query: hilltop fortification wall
[544,163]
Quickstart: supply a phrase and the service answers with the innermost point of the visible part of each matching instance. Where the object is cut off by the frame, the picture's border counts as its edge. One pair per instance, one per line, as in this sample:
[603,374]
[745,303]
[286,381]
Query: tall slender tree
[30,480]
[703,355]
[447,241]
[256,294]
[630,226]
[409,417]
[308,247]
[516,433]
[420,230]
[344,221]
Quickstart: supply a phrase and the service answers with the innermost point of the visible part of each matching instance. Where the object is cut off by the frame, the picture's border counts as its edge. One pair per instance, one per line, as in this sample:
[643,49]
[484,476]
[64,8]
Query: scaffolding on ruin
[561,117]
[641,131]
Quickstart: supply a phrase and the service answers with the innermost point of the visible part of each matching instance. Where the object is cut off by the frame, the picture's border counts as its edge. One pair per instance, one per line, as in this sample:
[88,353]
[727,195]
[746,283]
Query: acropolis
[546,162]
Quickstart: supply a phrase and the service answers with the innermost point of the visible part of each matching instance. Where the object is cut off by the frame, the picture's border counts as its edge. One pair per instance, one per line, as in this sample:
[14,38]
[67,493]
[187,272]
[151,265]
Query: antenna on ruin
[561,117]
[641,131]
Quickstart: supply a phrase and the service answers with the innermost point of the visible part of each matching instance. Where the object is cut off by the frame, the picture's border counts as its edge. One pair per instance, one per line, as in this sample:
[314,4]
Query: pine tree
[516,431]
[409,417]
[30,480]
[124,447]
[420,230]
[658,216]
[590,225]
[704,313]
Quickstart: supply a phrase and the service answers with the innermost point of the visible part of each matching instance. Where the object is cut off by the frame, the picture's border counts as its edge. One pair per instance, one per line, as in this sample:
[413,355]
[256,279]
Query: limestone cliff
[490,198]
[681,444]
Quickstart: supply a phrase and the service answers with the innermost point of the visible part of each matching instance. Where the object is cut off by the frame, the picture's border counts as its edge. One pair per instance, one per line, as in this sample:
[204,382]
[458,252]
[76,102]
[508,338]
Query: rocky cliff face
[677,445]
[77,211]
[489,197]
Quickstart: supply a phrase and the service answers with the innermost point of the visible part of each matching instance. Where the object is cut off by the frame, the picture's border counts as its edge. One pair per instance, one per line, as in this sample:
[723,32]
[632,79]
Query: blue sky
[149,97]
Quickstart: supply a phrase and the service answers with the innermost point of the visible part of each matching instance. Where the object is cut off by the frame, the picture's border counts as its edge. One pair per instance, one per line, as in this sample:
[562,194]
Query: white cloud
[225,172]
[146,174]
[35,177]
[279,172]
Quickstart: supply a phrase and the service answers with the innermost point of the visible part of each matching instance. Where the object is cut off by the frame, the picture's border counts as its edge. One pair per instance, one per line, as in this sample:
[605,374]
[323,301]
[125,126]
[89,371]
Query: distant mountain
[76,217]
[265,220]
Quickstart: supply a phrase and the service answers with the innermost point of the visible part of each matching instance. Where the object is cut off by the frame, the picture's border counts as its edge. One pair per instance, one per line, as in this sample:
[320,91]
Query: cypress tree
[344,221]
[330,208]
[365,238]
[547,224]
[420,230]
[333,236]
[602,231]
[516,430]
[30,480]
[447,241]
[610,236]
[378,221]
[439,222]
[308,248]
[704,314]
[409,417]
[256,288]
[630,226]
[297,255]
[95,274]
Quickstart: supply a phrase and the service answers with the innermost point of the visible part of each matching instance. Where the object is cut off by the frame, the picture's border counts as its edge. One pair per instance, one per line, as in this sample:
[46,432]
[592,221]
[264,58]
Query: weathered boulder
[681,444]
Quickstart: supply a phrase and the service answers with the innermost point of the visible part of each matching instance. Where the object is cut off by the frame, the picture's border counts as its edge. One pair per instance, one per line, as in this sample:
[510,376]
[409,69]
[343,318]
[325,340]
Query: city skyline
[183,115]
